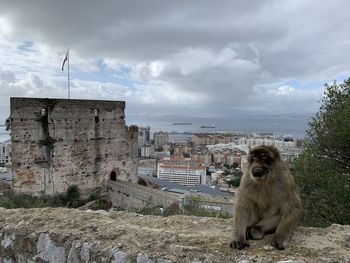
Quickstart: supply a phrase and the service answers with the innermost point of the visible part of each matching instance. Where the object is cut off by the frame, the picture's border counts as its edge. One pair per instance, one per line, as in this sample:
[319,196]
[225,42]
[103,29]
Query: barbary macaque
[267,200]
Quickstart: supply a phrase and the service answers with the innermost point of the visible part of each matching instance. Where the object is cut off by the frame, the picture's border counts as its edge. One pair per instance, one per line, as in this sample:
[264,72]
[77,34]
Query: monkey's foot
[255,233]
[277,244]
[239,244]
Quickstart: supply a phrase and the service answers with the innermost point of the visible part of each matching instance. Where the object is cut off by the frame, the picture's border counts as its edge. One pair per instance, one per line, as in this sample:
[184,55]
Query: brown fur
[268,202]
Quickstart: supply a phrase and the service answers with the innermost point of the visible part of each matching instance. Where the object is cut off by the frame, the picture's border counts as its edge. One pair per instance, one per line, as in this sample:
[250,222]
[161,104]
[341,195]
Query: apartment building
[209,139]
[204,159]
[160,139]
[147,150]
[202,139]
[5,152]
[182,171]
[178,161]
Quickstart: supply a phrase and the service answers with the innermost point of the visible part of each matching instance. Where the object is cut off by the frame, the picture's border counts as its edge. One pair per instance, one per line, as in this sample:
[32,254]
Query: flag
[65,59]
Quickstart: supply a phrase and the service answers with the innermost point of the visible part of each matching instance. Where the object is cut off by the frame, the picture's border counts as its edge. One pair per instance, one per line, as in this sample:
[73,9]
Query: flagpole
[68,75]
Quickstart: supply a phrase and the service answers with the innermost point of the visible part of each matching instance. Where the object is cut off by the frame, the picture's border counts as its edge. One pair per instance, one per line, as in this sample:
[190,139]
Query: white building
[268,142]
[288,149]
[185,175]
[147,150]
[5,152]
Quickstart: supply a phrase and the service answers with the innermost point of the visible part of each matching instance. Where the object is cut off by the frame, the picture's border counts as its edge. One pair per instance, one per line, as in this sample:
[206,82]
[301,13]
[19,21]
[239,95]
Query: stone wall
[57,235]
[60,142]
[210,203]
[132,196]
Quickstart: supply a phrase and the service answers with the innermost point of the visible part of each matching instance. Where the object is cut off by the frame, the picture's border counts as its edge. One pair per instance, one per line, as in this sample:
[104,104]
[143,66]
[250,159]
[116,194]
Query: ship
[182,123]
[206,127]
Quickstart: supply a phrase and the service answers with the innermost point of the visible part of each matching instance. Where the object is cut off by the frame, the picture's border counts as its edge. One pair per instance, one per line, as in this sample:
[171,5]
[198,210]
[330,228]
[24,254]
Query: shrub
[73,193]
[323,170]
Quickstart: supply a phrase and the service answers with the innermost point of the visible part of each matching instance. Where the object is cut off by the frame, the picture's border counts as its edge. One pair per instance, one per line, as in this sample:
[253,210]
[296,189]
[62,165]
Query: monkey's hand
[239,244]
[278,244]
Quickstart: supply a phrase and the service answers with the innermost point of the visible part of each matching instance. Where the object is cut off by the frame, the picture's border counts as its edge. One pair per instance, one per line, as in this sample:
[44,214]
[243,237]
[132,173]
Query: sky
[184,58]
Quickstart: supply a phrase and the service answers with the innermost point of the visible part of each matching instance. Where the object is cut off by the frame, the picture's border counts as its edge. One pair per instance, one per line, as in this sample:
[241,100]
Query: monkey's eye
[266,159]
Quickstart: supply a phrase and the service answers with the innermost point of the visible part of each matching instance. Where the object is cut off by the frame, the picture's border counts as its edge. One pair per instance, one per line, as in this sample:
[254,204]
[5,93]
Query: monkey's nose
[258,169]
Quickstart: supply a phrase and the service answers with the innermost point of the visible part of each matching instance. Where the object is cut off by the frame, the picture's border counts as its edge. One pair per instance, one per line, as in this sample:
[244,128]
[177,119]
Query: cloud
[196,57]
[282,99]
[222,76]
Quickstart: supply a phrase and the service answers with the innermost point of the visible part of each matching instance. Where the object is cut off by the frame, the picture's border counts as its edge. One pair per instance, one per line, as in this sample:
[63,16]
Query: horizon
[293,125]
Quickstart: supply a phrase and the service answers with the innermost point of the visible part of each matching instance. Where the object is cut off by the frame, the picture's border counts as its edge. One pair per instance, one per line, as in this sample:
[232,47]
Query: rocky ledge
[70,235]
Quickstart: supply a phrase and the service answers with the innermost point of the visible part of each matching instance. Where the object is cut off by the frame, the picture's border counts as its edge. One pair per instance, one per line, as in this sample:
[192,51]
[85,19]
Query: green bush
[322,171]
[154,210]
[324,193]
[71,198]
[73,193]
[6,202]
[172,209]
[234,181]
[10,199]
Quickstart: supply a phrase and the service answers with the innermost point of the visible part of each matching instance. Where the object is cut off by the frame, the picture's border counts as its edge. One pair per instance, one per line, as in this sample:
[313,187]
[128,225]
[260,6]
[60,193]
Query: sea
[294,125]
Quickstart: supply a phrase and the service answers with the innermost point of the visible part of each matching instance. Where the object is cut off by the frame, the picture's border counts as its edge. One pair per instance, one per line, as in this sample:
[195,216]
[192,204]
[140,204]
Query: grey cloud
[226,77]
[148,30]
[7,77]
[145,29]
[270,42]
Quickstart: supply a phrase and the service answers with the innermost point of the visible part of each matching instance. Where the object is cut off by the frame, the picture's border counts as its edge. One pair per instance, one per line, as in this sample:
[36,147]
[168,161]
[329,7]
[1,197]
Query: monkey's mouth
[260,173]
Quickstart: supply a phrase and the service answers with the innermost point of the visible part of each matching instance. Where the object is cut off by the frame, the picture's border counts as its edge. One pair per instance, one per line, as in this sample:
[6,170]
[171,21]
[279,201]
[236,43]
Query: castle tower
[60,142]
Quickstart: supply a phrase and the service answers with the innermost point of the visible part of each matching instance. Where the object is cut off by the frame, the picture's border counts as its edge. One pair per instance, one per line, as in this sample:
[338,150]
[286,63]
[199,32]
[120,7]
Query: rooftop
[182,167]
[177,188]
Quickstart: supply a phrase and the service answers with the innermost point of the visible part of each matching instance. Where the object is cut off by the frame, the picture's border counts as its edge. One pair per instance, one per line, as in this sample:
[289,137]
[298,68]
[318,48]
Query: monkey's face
[260,165]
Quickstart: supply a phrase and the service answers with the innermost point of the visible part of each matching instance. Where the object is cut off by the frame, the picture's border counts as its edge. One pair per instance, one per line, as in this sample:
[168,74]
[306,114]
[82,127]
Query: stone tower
[60,142]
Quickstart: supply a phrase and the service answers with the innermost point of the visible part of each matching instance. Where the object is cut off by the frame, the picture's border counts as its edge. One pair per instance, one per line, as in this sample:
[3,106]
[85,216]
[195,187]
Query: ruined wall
[70,235]
[59,142]
[210,203]
[133,196]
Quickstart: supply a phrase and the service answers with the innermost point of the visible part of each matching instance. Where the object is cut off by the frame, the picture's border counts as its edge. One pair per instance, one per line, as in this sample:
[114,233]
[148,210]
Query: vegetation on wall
[323,170]
[11,199]
[8,124]
[191,206]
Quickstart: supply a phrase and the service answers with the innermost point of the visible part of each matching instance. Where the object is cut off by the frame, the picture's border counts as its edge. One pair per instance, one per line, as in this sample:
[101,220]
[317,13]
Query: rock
[8,240]
[143,258]
[73,253]
[164,261]
[120,257]
[291,261]
[48,251]
[85,252]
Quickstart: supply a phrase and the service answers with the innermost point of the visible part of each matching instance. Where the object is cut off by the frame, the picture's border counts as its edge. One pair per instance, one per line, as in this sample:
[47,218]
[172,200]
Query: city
[211,159]
[207,163]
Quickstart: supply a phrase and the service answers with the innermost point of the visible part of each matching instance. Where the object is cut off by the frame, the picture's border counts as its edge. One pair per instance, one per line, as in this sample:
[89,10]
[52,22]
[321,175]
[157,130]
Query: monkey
[267,200]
